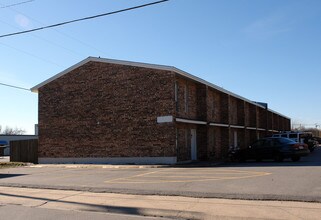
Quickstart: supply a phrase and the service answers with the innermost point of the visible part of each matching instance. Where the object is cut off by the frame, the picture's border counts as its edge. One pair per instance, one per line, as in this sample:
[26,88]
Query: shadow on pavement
[118,209]
[2,176]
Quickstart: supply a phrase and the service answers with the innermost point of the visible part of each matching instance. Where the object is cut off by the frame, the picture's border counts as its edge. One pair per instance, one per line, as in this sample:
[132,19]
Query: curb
[135,166]
[233,196]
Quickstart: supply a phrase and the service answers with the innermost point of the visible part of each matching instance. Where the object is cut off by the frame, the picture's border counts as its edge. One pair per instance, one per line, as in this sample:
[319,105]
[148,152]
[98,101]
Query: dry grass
[11,164]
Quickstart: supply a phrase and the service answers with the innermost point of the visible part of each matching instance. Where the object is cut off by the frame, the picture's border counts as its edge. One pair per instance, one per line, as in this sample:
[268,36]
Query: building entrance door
[193,145]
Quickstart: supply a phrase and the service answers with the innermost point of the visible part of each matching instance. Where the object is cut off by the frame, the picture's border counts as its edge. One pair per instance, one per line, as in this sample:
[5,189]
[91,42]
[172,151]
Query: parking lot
[171,175]
[298,181]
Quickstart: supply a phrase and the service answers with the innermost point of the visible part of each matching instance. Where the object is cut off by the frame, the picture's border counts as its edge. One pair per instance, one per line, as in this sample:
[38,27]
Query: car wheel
[295,158]
[278,157]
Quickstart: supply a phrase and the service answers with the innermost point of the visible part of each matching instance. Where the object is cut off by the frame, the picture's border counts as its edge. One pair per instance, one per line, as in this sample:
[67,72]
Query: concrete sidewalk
[161,206]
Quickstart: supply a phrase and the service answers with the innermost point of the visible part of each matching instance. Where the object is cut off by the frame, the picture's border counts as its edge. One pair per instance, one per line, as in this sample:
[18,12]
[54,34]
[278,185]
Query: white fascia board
[102,60]
[219,125]
[236,126]
[146,65]
[131,63]
[270,110]
[197,79]
[35,88]
[191,121]
[250,128]
[261,129]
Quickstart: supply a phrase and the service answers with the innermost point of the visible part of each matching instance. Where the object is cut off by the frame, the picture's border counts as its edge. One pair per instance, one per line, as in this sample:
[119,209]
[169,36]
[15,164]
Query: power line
[58,31]
[30,54]
[82,19]
[15,4]
[16,87]
[48,41]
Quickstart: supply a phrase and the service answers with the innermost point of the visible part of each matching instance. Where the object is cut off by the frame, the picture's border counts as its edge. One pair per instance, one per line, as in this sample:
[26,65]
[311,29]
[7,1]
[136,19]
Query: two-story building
[112,111]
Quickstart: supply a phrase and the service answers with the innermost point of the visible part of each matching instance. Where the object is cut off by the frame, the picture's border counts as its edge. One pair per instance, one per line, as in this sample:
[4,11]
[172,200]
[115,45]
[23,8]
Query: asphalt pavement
[267,180]
[24,203]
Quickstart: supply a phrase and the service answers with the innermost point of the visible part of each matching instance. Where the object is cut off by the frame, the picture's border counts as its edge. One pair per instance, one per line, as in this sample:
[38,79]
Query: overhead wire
[15,4]
[82,19]
[58,31]
[48,41]
[30,54]
[59,24]
[12,86]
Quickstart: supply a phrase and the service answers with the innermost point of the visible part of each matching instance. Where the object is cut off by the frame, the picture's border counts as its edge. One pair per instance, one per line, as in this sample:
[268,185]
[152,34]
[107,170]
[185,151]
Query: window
[176,95]
[176,140]
[285,141]
[213,108]
[293,136]
[186,97]
[186,138]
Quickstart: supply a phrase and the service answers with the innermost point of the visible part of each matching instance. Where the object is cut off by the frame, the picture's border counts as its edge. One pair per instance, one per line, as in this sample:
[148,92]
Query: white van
[300,137]
[295,136]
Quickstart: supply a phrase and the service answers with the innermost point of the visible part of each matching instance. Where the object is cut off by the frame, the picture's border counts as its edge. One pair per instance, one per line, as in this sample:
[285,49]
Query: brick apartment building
[111,111]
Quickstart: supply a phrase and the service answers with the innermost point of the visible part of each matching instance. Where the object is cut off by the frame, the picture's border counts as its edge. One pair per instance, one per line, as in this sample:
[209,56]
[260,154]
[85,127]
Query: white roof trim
[219,125]
[191,121]
[237,126]
[278,113]
[250,128]
[146,65]
[261,129]
[101,60]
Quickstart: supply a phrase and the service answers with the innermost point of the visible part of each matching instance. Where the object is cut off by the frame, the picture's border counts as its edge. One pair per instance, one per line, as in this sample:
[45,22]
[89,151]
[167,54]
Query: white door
[193,145]
[235,139]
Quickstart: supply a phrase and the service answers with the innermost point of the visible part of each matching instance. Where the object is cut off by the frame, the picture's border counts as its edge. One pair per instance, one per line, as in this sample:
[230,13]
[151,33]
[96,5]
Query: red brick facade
[107,110]
[103,109]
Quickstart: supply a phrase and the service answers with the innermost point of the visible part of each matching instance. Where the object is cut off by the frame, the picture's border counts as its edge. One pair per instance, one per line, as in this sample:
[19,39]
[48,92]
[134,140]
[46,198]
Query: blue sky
[267,50]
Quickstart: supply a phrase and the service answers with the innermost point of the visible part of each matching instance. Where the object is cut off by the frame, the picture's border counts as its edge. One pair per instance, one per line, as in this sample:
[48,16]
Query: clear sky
[263,50]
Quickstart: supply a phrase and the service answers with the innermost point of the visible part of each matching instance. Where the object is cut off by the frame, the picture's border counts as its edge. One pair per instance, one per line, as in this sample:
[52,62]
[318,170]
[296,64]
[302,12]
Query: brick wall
[191,99]
[224,108]
[107,110]
[214,106]
[233,119]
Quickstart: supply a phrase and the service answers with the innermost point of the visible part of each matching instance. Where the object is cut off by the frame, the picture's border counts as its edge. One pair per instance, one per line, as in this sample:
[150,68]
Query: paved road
[294,181]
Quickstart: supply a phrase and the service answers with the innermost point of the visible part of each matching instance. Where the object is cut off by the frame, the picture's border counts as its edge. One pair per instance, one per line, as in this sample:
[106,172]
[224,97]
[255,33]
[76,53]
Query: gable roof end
[146,65]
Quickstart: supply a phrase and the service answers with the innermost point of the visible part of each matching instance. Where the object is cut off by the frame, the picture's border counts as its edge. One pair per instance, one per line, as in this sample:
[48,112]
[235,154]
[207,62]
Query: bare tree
[12,131]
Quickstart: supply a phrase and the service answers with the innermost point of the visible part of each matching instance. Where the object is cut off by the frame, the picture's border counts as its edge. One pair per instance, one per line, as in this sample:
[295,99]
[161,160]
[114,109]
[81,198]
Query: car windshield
[285,141]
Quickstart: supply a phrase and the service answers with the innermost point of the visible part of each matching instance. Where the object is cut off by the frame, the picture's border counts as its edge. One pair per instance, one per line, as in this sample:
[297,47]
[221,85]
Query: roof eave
[35,88]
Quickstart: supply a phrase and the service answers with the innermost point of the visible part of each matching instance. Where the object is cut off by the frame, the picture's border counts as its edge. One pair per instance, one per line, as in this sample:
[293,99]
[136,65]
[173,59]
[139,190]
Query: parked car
[276,148]
[300,137]
[3,143]
[3,146]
